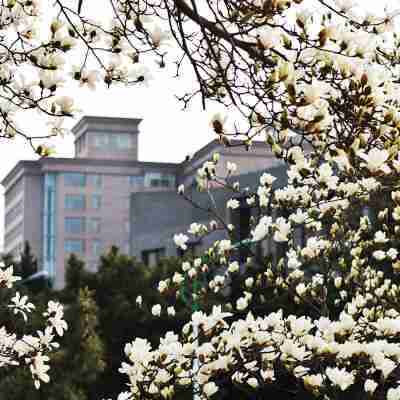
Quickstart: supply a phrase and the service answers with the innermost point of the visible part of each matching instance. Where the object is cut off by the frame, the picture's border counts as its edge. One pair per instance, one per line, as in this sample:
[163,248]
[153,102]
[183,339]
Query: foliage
[102,314]
[27,338]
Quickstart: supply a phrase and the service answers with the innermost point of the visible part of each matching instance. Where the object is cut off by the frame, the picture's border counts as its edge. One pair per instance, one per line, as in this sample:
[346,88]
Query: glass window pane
[156,179]
[124,141]
[95,180]
[101,140]
[94,225]
[74,179]
[96,201]
[74,246]
[136,180]
[74,225]
[75,201]
[96,247]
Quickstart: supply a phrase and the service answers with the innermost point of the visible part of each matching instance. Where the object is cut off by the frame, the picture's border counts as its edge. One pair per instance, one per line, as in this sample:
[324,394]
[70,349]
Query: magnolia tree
[20,349]
[318,80]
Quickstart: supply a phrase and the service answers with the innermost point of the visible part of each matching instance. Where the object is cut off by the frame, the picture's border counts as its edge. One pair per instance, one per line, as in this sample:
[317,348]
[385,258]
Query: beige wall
[114,212]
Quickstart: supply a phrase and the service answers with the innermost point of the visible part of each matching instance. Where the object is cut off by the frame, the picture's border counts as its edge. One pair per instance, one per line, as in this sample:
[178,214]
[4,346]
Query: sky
[166,133]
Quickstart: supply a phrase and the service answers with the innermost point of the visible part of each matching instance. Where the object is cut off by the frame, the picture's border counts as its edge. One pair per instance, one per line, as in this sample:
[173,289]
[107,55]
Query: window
[80,144]
[152,257]
[95,180]
[14,212]
[75,201]
[96,201]
[76,246]
[96,247]
[14,191]
[101,140]
[74,225]
[136,180]
[127,225]
[157,179]
[113,141]
[74,179]
[94,225]
[240,218]
[124,141]
[120,141]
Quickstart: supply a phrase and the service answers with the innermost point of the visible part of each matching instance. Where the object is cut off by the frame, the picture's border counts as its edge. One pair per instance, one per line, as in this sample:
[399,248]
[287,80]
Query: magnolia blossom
[217,122]
[156,310]
[181,240]
[375,160]
[233,204]
[262,228]
[268,37]
[340,377]
[30,350]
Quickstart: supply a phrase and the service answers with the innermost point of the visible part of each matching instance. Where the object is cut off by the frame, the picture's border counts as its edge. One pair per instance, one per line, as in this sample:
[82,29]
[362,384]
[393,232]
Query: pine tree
[27,264]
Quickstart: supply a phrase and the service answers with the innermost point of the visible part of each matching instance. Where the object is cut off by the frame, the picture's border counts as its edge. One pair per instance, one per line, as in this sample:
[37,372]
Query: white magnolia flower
[340,377]
[393,394]
[267,179]
[171,311]
[283,230]
[156,310]
[231,167]
[370,386]
[262,229]
[233,267]
[379,255]
[181,240]
[301,289]
[268,37]
[376,160]
[233,204]
[249,282]
[210,388]
[242,303]
[66,105]
[181,189]
[380,237]
[162,286]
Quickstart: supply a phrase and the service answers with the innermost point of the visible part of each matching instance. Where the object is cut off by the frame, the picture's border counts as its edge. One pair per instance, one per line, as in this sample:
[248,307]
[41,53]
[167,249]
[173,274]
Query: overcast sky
[166,133]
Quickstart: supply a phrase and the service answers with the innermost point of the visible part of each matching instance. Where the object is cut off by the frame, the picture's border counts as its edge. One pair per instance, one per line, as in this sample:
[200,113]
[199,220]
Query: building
[105,196]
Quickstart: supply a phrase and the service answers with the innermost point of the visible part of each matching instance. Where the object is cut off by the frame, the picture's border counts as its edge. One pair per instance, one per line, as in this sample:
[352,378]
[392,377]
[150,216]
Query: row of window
[82,180]
[150,179]
[79,225]
[79,201]
[158,179]
[80,144]
[116,141]
[13,233]
[14,212]
[78,246]
[15,190]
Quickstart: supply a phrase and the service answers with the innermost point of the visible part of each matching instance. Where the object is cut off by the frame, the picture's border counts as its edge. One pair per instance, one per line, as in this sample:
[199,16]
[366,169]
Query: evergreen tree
[27,264]
[8,259]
